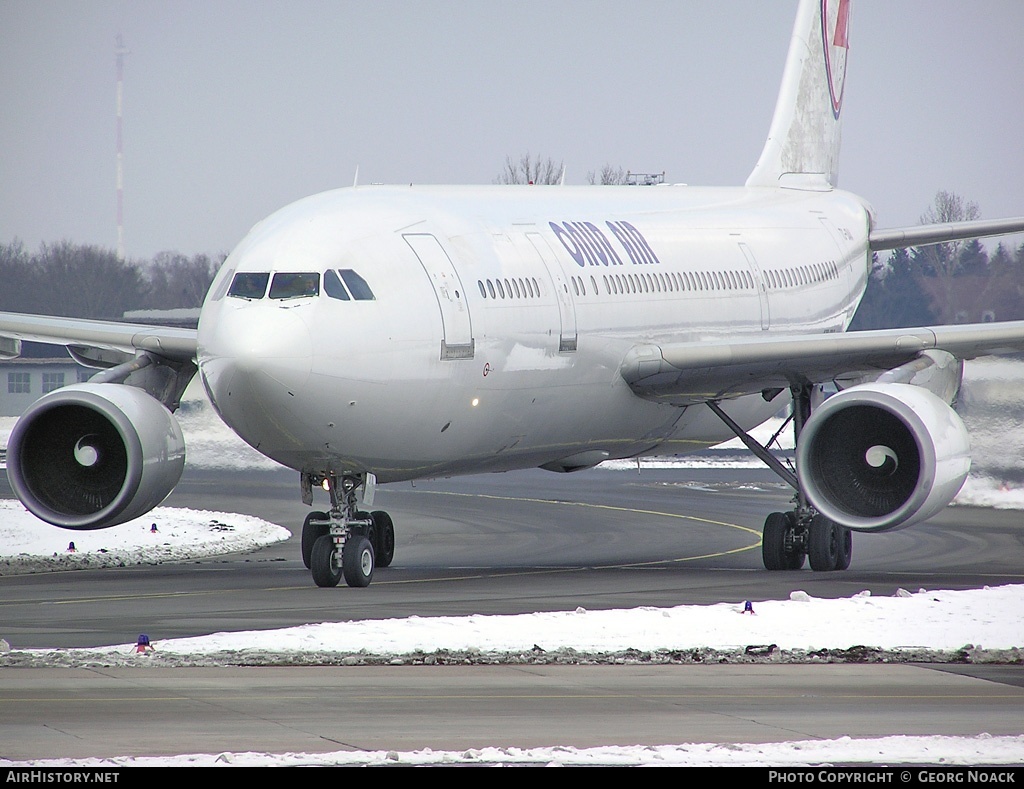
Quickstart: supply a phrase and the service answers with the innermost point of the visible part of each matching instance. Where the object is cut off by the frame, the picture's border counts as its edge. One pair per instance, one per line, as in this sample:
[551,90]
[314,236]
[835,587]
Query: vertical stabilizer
[802,149]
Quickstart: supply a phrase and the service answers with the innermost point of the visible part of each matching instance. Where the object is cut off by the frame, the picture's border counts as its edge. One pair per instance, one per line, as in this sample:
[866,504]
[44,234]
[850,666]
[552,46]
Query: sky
[235,108]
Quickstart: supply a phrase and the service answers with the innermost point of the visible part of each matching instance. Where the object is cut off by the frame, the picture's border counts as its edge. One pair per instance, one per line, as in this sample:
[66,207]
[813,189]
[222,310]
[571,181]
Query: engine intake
[90,456]
[878,457]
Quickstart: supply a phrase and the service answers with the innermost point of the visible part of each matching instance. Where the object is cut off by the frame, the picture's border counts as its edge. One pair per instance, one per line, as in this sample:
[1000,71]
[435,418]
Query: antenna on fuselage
[355,180]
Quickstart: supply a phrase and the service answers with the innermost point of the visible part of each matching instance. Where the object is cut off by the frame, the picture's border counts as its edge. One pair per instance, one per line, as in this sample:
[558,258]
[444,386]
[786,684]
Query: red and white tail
[802,150]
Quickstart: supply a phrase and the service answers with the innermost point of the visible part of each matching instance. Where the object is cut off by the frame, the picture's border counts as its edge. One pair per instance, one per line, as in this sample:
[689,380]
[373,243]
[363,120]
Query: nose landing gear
[346,542]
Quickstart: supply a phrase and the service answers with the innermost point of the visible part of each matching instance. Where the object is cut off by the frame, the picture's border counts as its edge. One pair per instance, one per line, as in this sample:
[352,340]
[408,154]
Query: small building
[39,370]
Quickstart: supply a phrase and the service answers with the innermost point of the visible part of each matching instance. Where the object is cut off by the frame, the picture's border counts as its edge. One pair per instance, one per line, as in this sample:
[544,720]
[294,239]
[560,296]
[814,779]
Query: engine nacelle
[877,457]
[90,456]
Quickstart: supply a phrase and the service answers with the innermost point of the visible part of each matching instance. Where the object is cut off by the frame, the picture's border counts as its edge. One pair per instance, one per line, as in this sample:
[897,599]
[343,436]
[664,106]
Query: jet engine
[90,456]
[877,457]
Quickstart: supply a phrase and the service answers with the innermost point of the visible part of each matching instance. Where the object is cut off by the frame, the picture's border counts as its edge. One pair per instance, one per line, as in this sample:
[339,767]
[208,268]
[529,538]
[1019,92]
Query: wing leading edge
[922,235]
[696,372]
[176,344]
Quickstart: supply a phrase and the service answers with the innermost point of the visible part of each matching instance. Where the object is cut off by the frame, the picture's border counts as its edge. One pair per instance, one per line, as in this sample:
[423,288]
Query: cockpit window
[356,285]
[289,285]
[223,282]
[333,286]
[249,285]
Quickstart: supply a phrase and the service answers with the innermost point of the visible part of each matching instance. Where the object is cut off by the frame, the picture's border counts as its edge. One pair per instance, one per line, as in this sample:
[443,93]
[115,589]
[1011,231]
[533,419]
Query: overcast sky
[234,108]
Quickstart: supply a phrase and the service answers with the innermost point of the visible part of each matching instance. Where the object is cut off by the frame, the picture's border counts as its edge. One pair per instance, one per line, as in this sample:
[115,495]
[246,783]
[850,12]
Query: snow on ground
[975,624]
[944,751]
[980,624]
[27,545]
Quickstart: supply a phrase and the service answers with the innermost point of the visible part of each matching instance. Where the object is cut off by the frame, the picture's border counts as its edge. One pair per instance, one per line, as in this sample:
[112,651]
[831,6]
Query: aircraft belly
[468,416]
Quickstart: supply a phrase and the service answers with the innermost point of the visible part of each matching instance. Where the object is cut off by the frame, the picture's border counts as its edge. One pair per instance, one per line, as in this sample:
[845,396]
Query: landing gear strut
[346,542]
[802,533]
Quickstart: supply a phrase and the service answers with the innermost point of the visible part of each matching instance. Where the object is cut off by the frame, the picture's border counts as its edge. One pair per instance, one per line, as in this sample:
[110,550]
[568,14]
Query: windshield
[249,285]
[289,285]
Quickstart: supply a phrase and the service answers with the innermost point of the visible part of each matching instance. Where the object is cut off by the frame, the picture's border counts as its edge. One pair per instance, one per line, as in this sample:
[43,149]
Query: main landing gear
[791,538]
[346,542]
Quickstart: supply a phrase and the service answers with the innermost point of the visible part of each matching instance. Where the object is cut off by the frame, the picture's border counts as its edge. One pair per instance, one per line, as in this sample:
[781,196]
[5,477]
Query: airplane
[375,334]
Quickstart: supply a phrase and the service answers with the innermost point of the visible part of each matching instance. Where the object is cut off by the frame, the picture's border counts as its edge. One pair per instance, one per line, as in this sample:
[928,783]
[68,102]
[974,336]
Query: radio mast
[119,53]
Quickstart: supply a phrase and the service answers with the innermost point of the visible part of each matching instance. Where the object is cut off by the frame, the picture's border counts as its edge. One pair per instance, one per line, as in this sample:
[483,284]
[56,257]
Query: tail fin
[802,149]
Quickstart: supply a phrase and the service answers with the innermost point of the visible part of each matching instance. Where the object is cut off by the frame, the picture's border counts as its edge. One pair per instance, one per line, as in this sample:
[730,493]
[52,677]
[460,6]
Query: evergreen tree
[893,298]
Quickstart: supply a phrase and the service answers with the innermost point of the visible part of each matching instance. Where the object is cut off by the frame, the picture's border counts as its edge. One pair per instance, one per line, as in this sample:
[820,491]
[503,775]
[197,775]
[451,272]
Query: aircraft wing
[173,343]
[921,235]
[695,372]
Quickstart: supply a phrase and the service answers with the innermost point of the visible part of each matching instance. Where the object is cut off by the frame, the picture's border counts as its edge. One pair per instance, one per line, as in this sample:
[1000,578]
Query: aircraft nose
[272,342]
[255,361]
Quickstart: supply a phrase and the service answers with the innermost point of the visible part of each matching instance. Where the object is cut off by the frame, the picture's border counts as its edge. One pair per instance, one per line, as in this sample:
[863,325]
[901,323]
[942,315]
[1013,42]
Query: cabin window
[356,285]
[333,286]
[249,285]
[293,285]
[490,289]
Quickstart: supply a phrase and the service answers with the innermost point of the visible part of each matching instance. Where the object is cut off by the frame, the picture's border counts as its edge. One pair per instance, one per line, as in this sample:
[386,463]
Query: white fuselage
[500,316]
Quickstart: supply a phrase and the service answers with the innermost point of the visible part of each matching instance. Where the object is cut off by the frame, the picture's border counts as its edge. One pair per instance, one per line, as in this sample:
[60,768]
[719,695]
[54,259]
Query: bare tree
[86,281]
[530,170]
[22,283]
[945,260]
[178,281]
[608,176]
